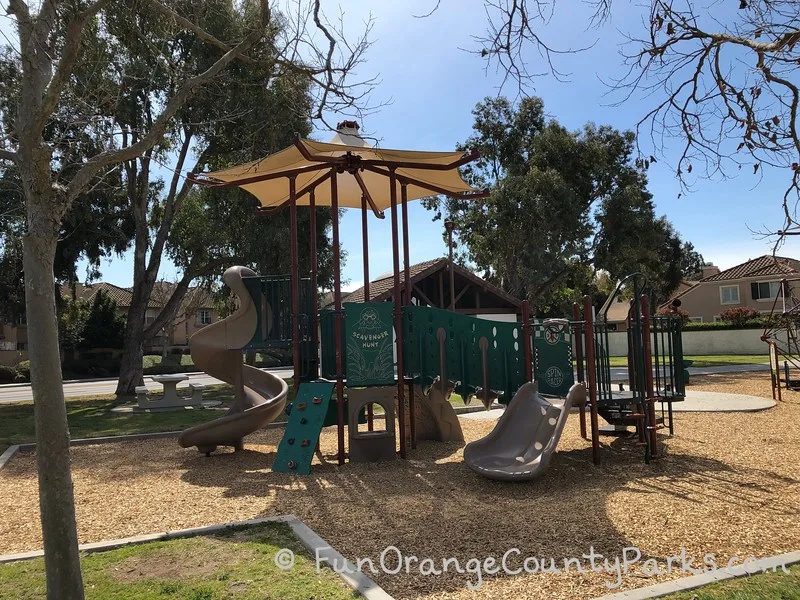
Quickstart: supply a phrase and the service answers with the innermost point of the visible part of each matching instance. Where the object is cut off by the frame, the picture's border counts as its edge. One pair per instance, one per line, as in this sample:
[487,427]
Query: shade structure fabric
[311,162]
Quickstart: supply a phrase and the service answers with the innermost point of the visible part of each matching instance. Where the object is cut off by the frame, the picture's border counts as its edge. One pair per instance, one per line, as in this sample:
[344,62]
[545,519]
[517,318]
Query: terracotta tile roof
[382,286]
[120,295]
[196,297]
[763,266]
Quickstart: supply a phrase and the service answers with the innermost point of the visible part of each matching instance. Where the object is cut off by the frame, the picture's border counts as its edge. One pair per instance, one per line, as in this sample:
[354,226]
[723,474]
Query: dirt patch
[176,562]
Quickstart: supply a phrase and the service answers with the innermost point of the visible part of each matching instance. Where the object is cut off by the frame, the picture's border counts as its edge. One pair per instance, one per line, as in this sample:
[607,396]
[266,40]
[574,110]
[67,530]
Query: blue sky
[432,84]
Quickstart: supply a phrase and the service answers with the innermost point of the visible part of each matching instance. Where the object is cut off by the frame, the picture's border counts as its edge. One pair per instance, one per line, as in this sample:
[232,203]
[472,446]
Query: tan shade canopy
[311,163]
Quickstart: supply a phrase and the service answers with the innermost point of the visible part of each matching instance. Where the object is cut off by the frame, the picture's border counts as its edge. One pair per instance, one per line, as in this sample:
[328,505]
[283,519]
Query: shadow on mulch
[437,510]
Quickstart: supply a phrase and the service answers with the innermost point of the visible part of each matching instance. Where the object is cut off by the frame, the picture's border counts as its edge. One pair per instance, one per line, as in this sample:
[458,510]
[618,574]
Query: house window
[717,318]
[204,316]
[696,319]
[22,346]
[149,317]
[729,294]
[765,290]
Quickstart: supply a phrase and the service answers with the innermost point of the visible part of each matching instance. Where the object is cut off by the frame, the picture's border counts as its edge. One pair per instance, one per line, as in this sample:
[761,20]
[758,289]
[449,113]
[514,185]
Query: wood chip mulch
[728,484]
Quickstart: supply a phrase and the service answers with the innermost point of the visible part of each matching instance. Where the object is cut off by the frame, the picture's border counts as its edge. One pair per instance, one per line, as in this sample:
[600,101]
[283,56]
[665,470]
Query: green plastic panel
[296,450]
[552,358]
[369,344]
[463,356]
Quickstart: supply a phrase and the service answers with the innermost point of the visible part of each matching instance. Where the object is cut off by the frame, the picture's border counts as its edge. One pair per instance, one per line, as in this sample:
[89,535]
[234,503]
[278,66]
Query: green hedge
[721,325]
[7,374]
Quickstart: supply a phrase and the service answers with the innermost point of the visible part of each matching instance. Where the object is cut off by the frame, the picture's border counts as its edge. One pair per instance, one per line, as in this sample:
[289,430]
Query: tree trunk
[56,497]
[130,368]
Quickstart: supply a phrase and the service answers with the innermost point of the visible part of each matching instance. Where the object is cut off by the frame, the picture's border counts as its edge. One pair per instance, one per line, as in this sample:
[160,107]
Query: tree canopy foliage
[563,204]
[721,78]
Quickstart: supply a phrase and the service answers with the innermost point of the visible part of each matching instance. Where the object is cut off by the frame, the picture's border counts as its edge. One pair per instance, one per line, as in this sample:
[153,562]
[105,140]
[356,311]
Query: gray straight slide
[217,350]
[525,437]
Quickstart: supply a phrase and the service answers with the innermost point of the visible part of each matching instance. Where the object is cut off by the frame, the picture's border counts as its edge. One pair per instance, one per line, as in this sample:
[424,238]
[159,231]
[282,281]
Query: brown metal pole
[295,283]
[449,226]
[406,261]
[526,339]
[588,320]
[576,317]
[398,314]
[337,320]
[312,226]
[412,399]
[650,400]
[365,247]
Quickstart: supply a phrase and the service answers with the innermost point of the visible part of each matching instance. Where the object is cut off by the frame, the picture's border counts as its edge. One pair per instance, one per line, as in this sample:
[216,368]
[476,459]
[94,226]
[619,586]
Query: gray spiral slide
[525,437]
[217,350]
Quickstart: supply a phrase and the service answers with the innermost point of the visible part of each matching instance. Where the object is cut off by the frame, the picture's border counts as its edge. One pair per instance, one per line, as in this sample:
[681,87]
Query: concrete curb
[695,581]
[9,453]
[310,540]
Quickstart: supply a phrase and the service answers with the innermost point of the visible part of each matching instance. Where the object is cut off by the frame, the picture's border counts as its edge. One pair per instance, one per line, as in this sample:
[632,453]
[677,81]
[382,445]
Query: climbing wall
[296,450]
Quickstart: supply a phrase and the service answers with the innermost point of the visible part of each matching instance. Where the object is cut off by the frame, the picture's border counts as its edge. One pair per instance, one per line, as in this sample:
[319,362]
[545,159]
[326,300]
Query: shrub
[667,312]
[7,374]
[163,369]
[738,315]
[24,369]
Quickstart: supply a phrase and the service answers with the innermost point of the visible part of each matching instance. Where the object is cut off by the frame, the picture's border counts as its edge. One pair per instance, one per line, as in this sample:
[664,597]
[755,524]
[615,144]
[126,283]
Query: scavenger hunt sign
[369,343]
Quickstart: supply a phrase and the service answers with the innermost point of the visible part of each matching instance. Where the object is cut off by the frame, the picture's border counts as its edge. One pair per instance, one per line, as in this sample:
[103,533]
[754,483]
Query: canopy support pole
[295,282]
[314,300]
[337,317]
[398,313]
[365,246]
[412,412]
[406,263]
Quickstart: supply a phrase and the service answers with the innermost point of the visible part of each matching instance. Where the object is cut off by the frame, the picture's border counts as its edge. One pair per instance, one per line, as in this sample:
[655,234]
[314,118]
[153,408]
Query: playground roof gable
[360,170]
[382,288]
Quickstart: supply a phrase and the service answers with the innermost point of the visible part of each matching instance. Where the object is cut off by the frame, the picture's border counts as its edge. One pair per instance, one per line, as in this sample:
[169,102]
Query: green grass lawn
[151,361]
[91,416]
[711,360]
[232,564]
[764,586]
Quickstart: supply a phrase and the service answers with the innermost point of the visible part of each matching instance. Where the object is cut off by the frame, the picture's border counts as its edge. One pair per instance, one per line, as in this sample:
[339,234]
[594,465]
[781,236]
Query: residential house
[617,316]
[755,283]
[430,286]
[196,311]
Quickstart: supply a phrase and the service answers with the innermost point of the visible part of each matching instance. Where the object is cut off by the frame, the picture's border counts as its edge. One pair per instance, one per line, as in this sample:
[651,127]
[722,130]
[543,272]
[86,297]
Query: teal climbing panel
[296,450]
[552,359]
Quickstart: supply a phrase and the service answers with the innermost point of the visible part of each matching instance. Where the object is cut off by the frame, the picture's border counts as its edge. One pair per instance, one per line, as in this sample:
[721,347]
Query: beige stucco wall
[728,341]
[704,300]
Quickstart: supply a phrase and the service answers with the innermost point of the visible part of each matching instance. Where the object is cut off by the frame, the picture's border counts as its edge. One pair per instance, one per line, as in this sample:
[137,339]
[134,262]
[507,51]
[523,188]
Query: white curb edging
[305,535]
[696,581]
[6,456]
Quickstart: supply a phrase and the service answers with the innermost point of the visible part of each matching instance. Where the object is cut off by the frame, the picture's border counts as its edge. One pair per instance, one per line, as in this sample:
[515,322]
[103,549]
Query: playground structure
[259,397]
[420,353]
[781,335]
[525,438]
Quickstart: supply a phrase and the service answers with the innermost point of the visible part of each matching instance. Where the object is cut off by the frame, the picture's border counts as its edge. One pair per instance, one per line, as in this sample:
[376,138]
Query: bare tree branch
[178,100]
